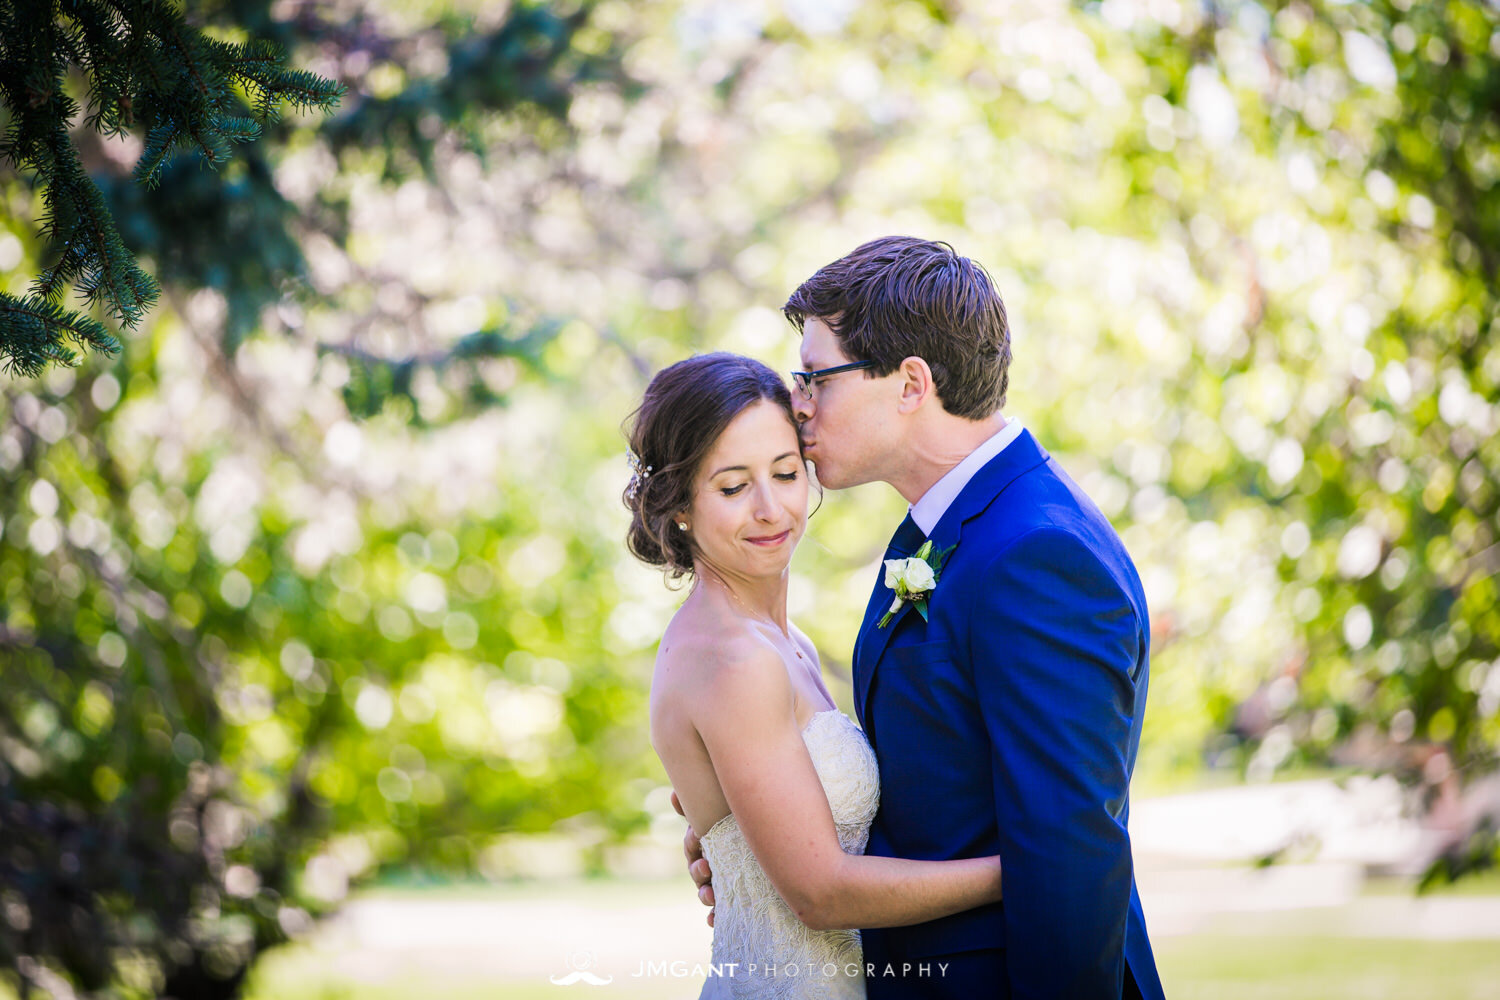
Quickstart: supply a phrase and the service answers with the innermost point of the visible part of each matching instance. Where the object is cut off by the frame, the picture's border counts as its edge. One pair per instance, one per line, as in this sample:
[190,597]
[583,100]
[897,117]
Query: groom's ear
[916,385]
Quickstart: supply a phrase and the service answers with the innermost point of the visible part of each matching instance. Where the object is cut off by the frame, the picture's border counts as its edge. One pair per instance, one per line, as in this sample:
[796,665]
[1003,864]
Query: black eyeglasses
[804,380]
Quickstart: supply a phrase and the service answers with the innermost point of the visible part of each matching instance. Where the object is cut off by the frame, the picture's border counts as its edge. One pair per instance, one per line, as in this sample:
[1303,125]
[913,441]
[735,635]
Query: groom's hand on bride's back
[698,868]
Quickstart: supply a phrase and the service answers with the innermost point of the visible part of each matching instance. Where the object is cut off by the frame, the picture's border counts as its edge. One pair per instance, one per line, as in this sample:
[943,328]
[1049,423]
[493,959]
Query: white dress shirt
[929,510]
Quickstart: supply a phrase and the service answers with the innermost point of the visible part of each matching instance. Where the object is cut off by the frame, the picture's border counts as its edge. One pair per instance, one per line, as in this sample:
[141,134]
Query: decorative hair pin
[639,473]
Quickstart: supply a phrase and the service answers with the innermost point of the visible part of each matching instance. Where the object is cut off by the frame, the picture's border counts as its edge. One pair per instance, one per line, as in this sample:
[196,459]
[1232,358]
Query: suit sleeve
[1054,643]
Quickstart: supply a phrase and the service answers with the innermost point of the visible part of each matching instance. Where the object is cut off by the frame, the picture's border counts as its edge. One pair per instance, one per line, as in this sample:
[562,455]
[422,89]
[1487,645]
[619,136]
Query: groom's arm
[1053,641]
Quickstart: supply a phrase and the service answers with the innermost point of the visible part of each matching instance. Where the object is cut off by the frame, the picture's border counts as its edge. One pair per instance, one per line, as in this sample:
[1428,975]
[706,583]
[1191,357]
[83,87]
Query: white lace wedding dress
[761,950]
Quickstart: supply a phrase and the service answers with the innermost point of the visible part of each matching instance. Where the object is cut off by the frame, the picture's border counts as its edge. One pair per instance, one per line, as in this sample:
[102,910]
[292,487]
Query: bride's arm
[746,719]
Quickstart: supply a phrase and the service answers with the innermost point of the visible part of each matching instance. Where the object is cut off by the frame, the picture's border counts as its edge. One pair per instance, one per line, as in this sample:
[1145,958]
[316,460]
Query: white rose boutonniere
[913,579]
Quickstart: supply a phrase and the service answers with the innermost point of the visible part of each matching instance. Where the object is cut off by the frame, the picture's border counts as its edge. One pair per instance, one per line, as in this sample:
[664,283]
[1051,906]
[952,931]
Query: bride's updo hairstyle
[686,407]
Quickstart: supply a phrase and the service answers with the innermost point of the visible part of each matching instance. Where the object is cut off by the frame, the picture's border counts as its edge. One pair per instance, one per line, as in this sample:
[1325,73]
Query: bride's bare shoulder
[716,657]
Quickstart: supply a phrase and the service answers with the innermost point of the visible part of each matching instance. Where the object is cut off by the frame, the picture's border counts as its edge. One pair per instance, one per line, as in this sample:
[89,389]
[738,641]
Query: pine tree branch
[97,36]
[261,66]
[32,332]
[92,253]
[160,141]
[170,28]
[145,66]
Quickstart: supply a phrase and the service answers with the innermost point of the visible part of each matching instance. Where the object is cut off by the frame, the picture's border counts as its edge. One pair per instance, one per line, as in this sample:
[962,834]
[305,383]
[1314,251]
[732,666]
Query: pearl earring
[681,525]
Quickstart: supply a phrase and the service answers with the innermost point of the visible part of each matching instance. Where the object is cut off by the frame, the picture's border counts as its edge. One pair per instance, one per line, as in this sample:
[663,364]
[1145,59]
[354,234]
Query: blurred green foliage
[325,575]
[175,761]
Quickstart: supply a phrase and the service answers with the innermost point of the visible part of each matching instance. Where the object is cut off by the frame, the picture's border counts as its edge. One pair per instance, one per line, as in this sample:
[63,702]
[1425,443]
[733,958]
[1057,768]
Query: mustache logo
[581,962]
[587,977]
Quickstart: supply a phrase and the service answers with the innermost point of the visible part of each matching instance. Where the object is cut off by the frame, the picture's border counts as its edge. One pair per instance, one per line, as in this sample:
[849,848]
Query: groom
[1006,719]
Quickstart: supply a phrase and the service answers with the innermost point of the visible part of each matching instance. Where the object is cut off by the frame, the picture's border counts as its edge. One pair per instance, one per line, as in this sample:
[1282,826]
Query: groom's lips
[770,541]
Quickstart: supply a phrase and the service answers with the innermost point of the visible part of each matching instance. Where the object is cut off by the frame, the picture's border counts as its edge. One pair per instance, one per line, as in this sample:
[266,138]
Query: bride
[784,783]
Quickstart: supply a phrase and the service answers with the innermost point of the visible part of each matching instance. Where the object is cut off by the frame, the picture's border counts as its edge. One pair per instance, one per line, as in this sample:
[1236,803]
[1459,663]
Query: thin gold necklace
[796,646]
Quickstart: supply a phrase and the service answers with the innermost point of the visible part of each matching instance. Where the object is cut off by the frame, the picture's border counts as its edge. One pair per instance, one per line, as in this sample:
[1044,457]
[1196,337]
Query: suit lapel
[907,539]
[872,641]
[1022,455]
[879,638]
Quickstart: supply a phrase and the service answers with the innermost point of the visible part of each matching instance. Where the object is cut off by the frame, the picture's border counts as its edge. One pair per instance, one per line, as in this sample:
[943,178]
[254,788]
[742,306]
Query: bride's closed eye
[786,477]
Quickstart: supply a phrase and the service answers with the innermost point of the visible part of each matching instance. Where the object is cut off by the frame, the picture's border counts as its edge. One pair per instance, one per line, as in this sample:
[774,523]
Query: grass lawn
[298,977]
[1263,956]
[1196,967]
[1241,967]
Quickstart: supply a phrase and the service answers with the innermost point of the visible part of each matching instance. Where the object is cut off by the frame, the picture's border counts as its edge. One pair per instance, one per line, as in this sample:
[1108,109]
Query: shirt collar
[929,510]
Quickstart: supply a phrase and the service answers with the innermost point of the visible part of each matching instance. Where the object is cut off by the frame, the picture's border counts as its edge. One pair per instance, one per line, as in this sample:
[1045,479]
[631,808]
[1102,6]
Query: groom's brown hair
[899,297]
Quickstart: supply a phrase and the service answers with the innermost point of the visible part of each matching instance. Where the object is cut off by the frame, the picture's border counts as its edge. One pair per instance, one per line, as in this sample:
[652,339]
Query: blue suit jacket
[1008,724]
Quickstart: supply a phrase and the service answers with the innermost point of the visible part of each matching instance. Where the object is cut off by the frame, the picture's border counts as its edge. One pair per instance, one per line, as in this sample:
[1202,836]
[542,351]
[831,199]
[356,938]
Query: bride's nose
[766,507]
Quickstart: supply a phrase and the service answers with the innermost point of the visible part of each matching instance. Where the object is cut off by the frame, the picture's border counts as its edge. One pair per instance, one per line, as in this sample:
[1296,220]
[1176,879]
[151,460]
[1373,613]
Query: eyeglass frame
[803,382]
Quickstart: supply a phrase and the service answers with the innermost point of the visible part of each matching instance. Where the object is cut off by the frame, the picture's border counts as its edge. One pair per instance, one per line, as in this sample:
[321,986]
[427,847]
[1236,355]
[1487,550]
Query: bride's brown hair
[685,409]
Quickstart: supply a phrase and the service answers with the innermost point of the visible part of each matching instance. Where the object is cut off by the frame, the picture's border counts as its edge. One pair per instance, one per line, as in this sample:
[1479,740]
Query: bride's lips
[770,541]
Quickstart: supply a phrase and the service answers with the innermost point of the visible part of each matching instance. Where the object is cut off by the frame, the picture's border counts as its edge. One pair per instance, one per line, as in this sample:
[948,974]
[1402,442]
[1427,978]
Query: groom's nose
[802,407]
